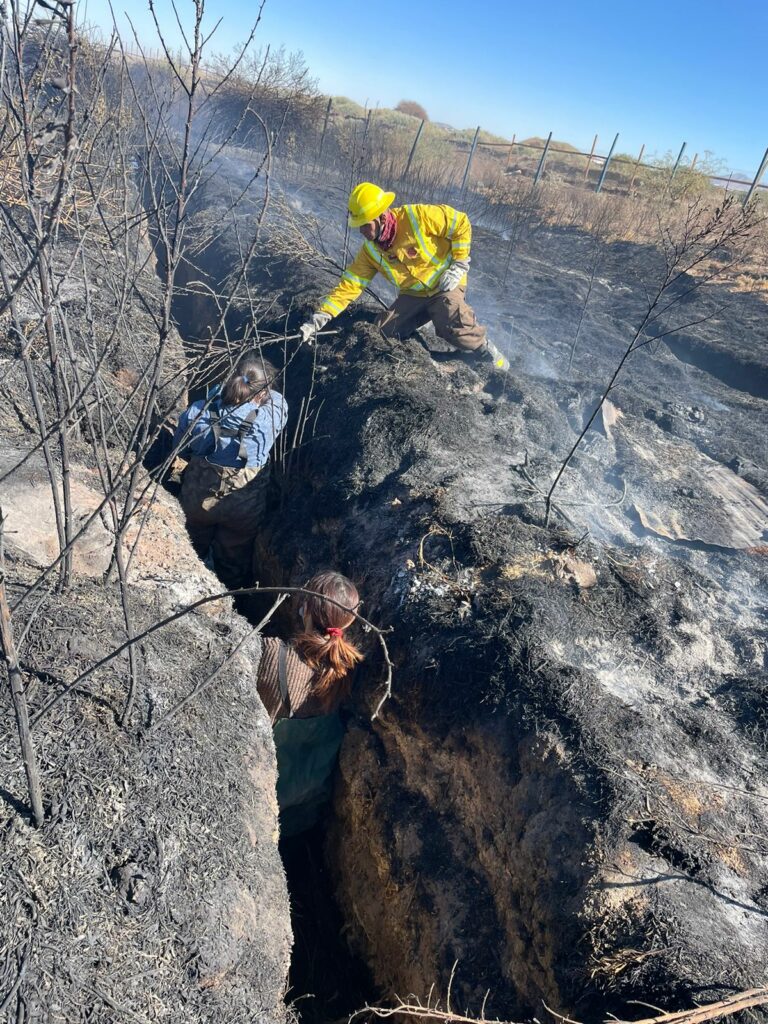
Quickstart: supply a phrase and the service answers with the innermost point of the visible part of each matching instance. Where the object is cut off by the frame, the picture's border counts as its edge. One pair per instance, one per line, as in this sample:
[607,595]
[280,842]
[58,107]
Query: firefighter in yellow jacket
[423,250]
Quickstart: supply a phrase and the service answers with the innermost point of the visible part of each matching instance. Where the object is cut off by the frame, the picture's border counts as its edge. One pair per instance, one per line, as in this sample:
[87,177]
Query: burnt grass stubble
[647,876]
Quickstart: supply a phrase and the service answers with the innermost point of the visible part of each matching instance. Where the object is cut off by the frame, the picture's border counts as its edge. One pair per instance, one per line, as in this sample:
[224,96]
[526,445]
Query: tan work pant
[223,506]
[454,320]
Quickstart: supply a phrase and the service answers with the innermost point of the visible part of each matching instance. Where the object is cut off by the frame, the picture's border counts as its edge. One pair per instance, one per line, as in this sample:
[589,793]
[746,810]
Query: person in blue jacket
[229,438]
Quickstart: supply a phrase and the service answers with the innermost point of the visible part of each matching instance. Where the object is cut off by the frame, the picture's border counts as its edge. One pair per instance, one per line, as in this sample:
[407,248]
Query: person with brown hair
[318,658]
[229,438]
[302,682]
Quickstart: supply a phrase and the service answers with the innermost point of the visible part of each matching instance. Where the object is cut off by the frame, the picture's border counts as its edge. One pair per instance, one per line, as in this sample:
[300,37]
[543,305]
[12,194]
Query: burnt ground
[620,684]
[154,889]
[565,793]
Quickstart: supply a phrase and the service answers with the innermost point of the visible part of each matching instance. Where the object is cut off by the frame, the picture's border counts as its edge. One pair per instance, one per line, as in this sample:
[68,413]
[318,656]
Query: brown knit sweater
[299,676]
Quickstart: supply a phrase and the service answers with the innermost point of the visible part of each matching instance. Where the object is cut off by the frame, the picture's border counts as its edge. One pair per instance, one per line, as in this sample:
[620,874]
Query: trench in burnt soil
[326,981]
[750,377]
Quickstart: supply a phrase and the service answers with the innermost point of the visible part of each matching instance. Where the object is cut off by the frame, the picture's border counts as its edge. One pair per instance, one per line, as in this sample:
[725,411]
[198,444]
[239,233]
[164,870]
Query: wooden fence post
[366,130]
[413,149]
[325,129]
[511,151]
[634,169]
[589,158]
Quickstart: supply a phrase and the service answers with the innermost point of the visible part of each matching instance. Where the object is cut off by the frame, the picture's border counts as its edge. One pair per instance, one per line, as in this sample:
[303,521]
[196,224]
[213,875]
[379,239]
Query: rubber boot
[492,354]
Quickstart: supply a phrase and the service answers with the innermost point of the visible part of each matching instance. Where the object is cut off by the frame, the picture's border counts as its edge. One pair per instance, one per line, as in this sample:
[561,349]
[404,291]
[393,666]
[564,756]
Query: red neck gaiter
[387,233]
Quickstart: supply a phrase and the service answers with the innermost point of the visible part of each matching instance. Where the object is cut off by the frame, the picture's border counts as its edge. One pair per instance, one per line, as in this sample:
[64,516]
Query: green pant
[454,320]
[224,506]
[306,750]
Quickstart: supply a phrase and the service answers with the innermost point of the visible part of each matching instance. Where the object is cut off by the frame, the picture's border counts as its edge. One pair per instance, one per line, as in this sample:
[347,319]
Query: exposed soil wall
[465,851]
[557,796]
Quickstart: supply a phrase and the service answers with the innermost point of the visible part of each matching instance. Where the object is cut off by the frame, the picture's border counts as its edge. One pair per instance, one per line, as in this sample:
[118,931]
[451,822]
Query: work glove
[315,323]
[453,275]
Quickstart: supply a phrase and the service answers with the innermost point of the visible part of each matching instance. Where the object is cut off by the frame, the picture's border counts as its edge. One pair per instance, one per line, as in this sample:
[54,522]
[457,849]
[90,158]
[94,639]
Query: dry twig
[416,1010]
[19,697]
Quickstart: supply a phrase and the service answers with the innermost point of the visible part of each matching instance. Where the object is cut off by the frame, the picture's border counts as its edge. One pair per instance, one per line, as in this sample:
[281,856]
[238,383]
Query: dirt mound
[566,793]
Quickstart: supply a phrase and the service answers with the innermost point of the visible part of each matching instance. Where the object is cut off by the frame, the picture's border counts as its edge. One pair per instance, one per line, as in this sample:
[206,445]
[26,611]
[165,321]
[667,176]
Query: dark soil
[565,792]
[325,982]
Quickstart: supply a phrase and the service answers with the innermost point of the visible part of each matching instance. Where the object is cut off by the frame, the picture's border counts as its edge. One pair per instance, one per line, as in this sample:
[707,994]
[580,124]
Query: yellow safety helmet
[366,202]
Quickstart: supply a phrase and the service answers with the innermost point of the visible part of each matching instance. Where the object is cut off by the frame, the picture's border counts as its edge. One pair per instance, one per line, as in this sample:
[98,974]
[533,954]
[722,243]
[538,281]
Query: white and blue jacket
[241,435]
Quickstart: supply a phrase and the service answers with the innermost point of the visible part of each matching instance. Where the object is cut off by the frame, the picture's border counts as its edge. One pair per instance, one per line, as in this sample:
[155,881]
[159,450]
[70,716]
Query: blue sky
[659,73]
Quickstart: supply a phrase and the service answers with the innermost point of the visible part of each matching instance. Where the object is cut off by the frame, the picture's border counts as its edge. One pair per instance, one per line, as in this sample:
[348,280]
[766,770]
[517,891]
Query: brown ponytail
[325,649]
[249,380]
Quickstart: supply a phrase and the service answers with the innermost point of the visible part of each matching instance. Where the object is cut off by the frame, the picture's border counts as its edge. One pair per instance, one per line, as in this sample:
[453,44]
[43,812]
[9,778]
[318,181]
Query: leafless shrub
[101,157]
[267,87]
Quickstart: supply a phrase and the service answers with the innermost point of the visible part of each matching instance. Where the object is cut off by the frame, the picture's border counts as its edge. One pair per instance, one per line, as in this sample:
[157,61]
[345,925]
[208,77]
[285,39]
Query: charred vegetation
[555,797]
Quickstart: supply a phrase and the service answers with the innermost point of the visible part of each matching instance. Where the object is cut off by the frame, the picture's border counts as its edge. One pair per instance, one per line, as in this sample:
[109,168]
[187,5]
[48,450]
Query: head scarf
[388,229]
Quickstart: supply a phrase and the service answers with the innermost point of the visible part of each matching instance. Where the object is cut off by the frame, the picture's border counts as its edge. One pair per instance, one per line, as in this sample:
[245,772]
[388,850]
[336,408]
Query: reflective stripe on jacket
[427,240]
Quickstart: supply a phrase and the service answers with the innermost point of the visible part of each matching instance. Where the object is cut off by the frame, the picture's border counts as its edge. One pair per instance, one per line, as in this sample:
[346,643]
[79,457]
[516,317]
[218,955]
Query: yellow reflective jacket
[427,240]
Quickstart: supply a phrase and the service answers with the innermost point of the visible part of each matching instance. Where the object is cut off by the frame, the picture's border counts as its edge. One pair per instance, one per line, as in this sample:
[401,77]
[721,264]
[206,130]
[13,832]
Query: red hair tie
[334,631]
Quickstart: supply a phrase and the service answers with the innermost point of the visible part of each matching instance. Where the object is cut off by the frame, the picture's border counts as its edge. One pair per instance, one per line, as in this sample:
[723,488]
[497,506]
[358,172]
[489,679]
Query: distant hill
[346,107]
[537,140]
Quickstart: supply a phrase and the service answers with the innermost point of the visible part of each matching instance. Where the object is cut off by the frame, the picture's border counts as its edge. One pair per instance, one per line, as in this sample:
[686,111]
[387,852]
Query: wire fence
[475,162]
[589,169]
